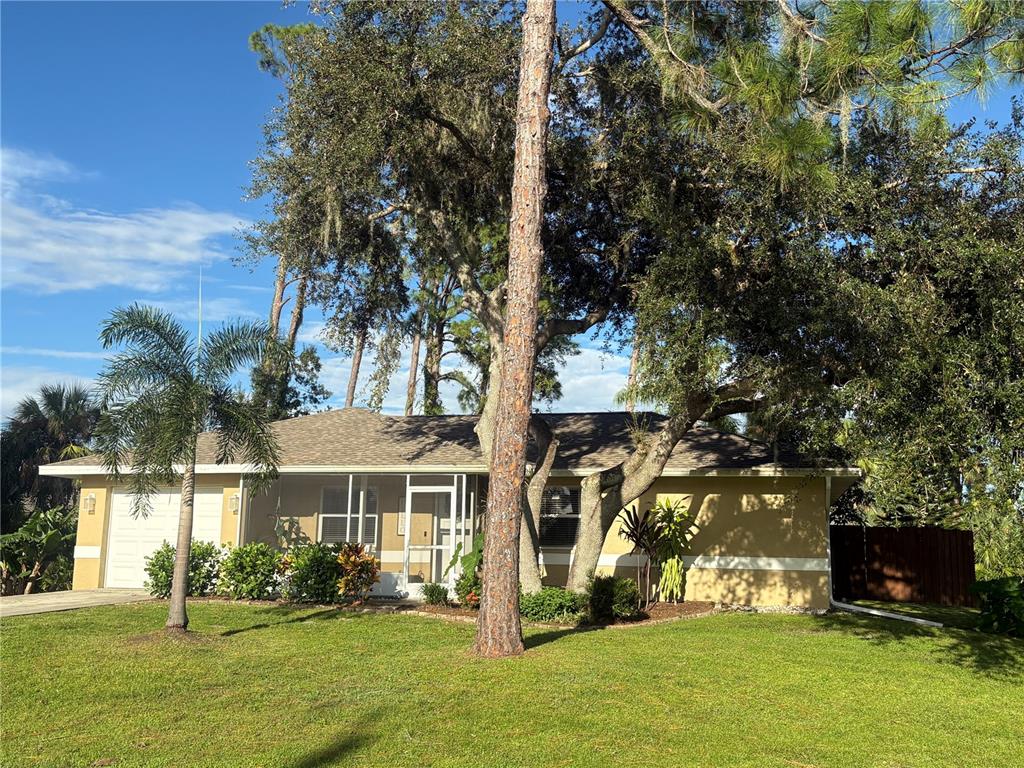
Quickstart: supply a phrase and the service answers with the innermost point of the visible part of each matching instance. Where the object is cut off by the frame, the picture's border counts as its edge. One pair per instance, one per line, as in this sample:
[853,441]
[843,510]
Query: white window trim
[360,513]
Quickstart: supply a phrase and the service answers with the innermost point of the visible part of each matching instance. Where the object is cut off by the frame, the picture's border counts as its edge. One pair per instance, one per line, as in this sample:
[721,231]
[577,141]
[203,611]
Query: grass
[289,687]
[947,615]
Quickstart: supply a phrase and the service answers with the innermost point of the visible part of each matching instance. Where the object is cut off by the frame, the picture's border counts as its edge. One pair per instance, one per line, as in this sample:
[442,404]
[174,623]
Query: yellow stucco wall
[92,530]
[779,520]
[773,527]
[91,534]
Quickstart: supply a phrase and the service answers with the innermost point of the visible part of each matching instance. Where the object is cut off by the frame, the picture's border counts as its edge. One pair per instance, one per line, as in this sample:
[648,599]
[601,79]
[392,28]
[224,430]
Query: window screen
[337,526]
[334,529]
[559,516]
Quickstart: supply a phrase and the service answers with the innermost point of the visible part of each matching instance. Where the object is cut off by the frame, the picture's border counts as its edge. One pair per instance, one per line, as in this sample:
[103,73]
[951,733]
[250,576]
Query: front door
[428,541]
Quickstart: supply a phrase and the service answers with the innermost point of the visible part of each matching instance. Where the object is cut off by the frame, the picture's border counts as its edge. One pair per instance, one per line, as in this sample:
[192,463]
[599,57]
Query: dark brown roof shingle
[355,437]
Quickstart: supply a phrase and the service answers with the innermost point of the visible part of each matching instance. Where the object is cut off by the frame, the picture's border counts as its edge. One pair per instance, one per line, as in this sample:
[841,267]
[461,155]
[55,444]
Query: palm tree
[54,425]
[158,394]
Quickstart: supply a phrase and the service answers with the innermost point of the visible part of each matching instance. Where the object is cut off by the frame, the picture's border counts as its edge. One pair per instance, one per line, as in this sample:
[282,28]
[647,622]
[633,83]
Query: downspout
[848,607]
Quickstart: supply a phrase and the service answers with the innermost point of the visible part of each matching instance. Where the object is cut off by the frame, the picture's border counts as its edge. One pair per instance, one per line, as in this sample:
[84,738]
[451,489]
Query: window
[340,523]
[559,516]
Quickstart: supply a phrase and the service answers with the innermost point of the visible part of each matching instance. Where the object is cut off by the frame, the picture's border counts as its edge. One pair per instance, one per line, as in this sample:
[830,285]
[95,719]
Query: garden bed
[656,614]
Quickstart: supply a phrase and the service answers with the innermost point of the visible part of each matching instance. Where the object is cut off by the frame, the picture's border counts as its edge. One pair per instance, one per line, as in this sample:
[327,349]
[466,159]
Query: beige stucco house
[413,488]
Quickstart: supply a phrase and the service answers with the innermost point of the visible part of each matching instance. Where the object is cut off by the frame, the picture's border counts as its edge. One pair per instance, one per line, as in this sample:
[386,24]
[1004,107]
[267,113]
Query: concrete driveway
[47,602]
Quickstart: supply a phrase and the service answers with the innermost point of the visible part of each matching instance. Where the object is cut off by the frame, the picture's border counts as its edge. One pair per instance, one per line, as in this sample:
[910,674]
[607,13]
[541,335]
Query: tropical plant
[204,560]
[435,594]
[645,531]
[312,573]
[678,527]
[54,425]
[27,553]
[158,394]
[359,571]
[467,585]
[250,572]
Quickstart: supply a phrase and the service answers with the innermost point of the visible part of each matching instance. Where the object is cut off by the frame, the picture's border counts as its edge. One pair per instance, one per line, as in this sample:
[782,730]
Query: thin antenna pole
[199,345]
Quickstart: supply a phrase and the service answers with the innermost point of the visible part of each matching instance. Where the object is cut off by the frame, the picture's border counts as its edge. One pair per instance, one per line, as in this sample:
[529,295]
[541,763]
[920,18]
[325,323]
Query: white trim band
[712,562]
[83,552]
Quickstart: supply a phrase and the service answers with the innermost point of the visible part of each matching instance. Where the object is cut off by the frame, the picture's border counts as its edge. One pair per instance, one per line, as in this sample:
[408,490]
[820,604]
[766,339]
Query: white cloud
[590,382]
[50,245]
[311,332]
[18,168]
[18,382]
[215,310]
[59,353]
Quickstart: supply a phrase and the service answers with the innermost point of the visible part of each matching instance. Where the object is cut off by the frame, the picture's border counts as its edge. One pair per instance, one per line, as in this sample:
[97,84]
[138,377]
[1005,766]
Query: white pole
[199,336]
[348,512]
[408,531]
[362,506]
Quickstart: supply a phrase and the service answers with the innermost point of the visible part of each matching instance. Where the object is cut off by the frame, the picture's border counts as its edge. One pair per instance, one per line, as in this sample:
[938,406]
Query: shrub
[250,572]
[313,572]
[435,594]
[203,568]
[551,604]
[610,598]
[358,572]
[1002,605]
[468,588]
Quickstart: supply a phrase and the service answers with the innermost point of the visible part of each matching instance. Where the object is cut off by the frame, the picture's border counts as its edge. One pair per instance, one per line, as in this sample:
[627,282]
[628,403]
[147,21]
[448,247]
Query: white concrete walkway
[45,602]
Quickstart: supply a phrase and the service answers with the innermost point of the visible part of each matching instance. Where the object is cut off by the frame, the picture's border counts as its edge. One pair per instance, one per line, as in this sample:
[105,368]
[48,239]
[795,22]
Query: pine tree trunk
[357,360]
[499,631]
[414,362]
[177,617]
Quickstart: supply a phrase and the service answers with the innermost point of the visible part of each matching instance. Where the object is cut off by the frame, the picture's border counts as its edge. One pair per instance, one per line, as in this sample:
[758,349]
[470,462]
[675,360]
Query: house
[413,489]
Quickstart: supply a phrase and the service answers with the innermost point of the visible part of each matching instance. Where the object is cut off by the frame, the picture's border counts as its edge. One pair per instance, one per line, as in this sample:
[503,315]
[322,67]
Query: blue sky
[126,135]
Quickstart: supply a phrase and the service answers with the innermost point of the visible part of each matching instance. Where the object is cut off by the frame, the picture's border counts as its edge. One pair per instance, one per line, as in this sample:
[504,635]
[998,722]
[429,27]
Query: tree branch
[455,131]
[569,326]
[587,44]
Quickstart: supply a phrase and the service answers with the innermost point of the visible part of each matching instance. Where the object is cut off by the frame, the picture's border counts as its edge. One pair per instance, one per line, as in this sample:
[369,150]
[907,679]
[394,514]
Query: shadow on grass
[993,656]
[537,639]
[343,744]
[287,617]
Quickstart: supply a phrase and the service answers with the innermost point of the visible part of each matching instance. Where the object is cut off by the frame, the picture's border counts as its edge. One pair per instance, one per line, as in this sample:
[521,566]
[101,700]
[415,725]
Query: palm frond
[232,347]
[243,434]
[151,330]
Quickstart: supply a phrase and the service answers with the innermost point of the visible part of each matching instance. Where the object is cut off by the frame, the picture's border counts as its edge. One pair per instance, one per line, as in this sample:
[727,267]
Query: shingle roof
[355,437]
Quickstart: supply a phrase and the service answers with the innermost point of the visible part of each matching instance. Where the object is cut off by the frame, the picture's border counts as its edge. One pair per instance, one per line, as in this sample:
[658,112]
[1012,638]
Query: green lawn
[265,686]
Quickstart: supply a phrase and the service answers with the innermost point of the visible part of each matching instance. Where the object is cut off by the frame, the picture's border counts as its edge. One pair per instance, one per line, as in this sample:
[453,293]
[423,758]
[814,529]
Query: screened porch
[413,523]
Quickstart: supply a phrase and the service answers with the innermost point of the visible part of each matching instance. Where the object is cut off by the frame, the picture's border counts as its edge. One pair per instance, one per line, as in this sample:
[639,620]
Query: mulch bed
[664,611]
[658,613]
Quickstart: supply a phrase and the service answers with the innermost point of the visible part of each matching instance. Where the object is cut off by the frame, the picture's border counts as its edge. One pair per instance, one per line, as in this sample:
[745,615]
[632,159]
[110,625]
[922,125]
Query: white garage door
[132,539]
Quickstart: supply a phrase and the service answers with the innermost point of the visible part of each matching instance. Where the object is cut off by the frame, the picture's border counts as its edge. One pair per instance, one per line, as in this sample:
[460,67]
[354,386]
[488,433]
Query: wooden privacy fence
[916,565]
